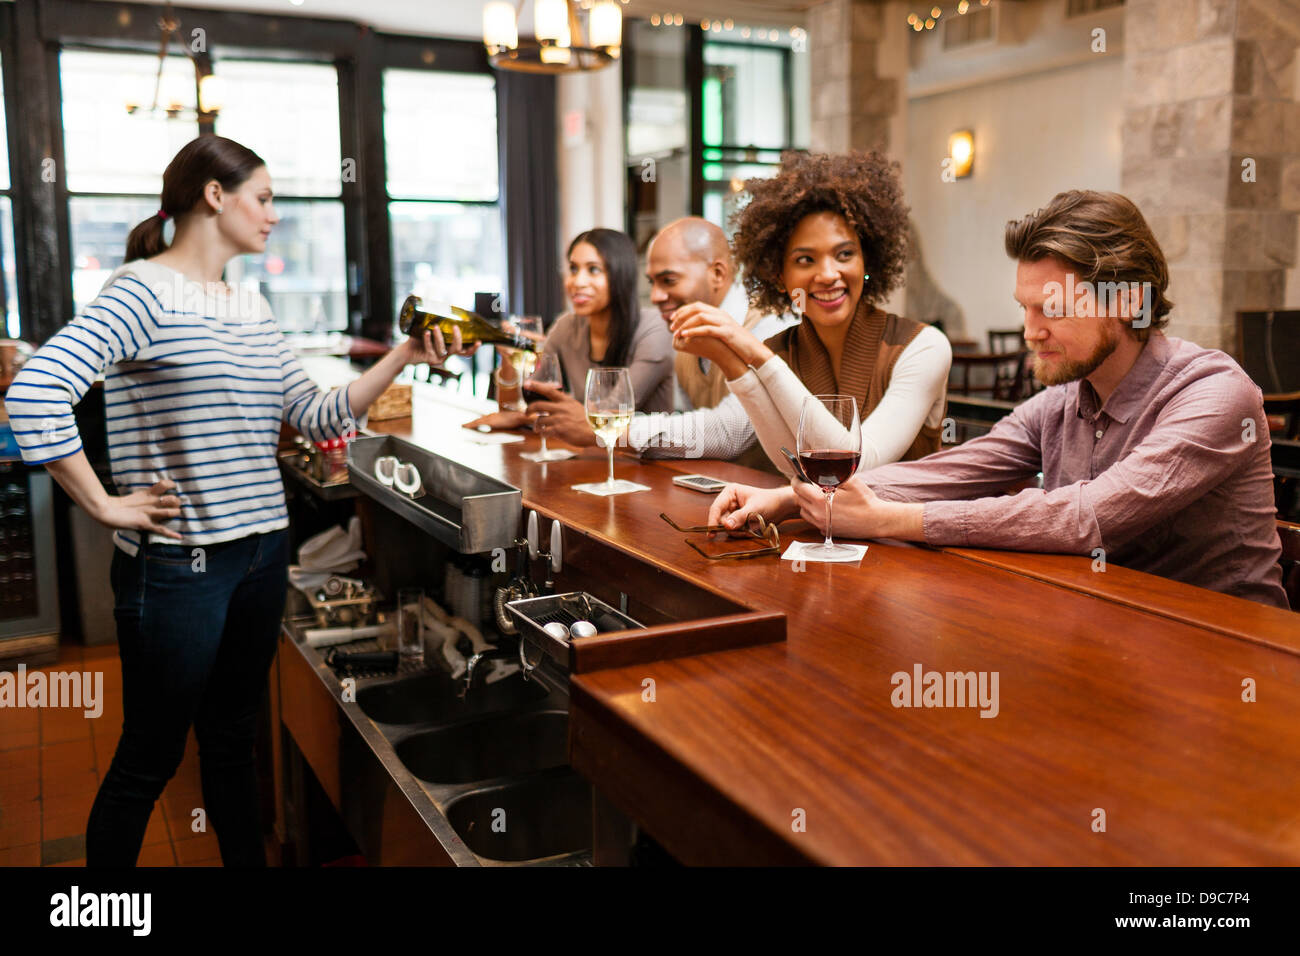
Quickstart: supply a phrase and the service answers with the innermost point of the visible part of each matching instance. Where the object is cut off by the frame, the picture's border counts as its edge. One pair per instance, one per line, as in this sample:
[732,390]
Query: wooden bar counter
[1121,735]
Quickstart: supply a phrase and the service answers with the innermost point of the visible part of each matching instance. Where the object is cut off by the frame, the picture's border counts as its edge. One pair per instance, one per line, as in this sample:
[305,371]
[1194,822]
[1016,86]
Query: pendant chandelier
[170,95]
[558,44]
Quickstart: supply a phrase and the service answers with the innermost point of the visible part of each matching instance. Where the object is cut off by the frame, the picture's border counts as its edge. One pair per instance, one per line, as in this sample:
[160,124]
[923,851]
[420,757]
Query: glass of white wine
[609,403]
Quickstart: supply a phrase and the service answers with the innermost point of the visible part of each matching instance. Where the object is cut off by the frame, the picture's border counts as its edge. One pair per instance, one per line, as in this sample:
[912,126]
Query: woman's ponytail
[199,161]
[146,239]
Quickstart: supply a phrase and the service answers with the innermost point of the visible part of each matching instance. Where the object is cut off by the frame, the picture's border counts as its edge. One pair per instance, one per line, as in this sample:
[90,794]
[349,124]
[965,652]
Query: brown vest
[707,389]
[873,344]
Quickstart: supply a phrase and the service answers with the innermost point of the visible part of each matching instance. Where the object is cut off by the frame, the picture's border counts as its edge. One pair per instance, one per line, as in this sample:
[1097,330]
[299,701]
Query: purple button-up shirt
[1172,476]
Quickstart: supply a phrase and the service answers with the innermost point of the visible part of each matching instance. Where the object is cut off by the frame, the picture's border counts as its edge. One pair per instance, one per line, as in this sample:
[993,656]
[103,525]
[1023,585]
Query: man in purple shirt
[1154,451]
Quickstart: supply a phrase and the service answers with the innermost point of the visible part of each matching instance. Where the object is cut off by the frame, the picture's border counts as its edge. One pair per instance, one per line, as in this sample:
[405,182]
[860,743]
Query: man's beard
[1071,371]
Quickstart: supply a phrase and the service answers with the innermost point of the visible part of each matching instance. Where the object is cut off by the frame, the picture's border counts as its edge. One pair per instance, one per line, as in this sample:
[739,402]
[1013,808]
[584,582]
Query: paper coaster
[552,454]
[797,552]
[492,438]
[621,487]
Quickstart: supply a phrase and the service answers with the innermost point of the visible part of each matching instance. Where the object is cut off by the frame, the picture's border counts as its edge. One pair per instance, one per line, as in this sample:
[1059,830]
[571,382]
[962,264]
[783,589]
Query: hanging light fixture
[169,91]
[557,44]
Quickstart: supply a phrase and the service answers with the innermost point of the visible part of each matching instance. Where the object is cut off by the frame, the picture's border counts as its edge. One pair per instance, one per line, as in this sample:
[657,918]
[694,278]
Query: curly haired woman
[826,237]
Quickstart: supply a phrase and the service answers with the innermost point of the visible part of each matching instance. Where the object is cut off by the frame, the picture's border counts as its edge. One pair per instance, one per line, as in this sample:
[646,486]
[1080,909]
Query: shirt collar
[1133,387]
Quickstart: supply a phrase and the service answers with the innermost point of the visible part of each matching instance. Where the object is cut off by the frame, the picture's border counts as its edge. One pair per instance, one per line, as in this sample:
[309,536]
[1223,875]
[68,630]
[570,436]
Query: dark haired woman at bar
[826,238]
[197,379]
[605,327]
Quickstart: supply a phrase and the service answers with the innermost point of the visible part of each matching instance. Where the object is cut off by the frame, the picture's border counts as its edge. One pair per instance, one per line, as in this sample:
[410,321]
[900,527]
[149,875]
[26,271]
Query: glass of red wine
[829,444]
[545,372]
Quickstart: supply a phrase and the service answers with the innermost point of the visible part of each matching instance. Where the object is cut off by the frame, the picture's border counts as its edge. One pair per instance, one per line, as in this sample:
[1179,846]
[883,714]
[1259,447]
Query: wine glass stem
[544,451]
[611,463]
[830,497]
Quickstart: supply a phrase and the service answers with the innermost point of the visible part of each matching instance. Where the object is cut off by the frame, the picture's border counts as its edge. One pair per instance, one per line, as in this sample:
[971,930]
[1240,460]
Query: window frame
[695,69]
[9,104]
[358,53]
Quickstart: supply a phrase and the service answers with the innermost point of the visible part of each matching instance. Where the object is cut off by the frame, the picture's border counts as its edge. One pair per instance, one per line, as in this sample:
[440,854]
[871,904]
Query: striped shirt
[196,384]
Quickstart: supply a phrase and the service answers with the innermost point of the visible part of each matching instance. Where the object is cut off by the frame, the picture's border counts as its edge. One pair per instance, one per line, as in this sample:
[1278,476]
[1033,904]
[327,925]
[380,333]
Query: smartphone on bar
[701,483]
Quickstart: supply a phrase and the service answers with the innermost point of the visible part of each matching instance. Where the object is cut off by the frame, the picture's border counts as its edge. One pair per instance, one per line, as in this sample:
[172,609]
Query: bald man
[688,262]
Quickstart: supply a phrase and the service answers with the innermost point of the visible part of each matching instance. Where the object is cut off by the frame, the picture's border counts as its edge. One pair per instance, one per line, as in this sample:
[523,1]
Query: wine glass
[546,372]
[528,330]
[609,405]
[829,456]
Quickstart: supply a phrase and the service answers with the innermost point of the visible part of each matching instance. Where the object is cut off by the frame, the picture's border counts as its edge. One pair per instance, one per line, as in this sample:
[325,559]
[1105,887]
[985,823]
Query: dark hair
[199,162]
[864,188]
[1103,237]
[619,253]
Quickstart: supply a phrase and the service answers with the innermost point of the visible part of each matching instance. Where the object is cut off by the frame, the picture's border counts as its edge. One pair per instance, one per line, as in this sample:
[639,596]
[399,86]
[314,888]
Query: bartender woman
[197,379]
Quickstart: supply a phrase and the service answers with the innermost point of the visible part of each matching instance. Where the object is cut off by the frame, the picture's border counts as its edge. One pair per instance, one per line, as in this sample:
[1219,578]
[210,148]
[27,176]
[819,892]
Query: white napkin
[491,438]
[621,487]
[333,551]
[798,552]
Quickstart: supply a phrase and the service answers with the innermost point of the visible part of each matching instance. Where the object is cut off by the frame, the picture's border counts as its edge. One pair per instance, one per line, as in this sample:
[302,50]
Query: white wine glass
[545,372]
[829,444]
[609,403]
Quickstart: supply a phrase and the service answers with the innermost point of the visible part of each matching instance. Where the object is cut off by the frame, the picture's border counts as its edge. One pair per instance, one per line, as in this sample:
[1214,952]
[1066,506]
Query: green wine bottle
[473,327]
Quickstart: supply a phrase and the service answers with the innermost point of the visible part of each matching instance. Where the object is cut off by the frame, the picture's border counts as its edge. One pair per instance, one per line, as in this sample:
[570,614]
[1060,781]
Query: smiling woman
[827,239]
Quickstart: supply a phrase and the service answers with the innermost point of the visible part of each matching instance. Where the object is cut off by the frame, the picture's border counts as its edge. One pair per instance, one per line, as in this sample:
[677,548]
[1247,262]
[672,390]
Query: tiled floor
[51,762]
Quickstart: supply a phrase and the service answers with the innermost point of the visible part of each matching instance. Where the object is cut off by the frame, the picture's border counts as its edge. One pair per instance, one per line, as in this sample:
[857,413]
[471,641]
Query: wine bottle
[473,327]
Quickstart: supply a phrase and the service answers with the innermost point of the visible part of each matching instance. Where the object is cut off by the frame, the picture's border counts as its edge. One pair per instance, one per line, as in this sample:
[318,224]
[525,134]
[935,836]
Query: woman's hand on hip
[143,510]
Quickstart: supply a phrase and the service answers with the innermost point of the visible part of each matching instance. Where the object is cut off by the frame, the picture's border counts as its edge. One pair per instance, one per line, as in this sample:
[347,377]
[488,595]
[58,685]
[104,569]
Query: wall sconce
[961,152]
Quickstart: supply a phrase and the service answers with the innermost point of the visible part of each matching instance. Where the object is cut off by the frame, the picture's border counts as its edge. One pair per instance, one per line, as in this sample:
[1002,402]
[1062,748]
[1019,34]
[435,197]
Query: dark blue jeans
[196,634]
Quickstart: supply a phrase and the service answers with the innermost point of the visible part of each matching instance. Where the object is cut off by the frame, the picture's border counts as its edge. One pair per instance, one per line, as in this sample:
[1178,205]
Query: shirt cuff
[947,523]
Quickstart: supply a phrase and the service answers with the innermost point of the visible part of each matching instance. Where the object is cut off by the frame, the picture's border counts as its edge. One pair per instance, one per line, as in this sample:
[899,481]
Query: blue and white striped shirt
[195,387]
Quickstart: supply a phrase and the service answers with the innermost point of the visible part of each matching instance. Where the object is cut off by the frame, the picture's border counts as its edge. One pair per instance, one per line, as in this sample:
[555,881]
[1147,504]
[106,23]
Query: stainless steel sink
[545,815]
[487,748]
[435,698]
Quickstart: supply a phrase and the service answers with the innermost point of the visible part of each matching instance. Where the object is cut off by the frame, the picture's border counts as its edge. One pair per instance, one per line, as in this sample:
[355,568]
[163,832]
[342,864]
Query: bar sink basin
[435,698]
[547,814]
[504,746]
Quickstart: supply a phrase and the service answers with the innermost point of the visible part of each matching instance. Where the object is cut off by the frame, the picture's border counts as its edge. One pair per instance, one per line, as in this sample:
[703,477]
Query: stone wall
[1210,138]
[853,104]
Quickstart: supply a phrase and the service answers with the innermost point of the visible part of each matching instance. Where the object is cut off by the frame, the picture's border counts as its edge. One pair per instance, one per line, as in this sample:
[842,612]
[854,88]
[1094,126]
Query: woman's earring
[220,210]
[866,278]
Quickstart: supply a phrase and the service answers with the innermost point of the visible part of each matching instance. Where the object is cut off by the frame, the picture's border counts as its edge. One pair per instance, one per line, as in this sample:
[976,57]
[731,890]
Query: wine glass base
[551,454]
[835,552]
[605,488]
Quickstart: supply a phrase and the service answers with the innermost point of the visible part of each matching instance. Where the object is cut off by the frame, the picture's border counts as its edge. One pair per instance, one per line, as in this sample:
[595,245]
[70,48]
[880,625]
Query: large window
[115,161]
[749,115]
[442,186]
[285,112]
[444,211]
[288,113]
[752,98]
[10,322]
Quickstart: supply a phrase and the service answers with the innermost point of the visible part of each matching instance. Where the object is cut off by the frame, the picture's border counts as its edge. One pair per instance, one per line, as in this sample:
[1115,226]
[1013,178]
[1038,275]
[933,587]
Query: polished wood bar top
[1119,701]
